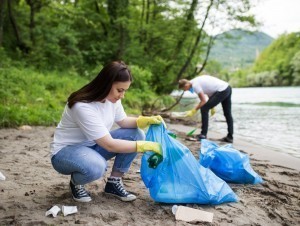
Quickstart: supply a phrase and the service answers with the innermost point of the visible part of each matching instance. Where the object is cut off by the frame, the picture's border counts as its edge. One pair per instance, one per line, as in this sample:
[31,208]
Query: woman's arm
[128,122]
[126,146]
[116,145]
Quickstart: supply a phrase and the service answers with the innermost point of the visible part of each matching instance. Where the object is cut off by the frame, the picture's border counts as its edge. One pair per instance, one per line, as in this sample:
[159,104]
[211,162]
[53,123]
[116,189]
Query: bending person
[218,91]
[83,141]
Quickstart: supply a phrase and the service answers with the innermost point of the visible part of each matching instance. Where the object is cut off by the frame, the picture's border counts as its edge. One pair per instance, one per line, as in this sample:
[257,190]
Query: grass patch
[34,98]
[30,97]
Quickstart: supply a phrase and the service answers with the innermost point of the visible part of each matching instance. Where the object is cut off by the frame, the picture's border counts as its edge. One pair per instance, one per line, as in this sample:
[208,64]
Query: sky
[278,16]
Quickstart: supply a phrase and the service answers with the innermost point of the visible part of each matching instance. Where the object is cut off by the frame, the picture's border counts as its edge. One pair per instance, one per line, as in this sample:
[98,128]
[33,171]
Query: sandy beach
[32,186]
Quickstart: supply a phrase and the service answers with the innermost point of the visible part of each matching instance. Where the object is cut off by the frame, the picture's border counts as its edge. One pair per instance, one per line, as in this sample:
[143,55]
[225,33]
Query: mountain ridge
[237,49]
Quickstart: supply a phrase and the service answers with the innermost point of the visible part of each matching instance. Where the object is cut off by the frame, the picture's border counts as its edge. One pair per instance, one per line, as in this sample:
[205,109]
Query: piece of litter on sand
[53,211]
[178,114]
[191,139]
[67,210]
[25,127]
[188,214]
[2,177]
[191,132]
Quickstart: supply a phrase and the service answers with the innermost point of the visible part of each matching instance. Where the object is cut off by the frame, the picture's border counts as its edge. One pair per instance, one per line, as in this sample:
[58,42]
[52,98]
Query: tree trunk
[198,38]
[2,16]
[20,44]
[32,22]
[186,28]
[123,32]
[105,32]
[185,32]
[199,70]
[118,10]
[142,15]
[148,12]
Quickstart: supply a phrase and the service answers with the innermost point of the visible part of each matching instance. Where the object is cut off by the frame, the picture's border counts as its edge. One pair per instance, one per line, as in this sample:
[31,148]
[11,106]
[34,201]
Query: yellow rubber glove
[144,121]
[191,113]
[212,111]
[143,146]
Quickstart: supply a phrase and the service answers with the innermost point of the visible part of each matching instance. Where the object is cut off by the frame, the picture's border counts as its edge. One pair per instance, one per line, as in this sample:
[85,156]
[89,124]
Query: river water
[265,116]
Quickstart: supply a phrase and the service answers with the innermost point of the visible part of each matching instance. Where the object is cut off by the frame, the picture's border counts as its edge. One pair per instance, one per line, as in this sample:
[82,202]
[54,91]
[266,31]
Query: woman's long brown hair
[99,88]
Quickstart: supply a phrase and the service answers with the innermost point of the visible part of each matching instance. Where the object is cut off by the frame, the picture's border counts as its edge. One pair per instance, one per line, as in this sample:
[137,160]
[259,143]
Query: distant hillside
[238,48]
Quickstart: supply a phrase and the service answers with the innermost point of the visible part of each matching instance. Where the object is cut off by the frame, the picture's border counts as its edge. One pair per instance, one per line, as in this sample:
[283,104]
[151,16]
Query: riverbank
[32,186]
[261,152]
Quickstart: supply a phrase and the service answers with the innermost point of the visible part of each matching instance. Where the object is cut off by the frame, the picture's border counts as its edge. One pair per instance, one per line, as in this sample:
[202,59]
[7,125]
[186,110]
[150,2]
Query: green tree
[281,56]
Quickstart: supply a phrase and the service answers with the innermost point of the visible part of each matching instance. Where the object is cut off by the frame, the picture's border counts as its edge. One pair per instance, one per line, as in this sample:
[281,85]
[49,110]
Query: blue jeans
[86,164]
[223,97]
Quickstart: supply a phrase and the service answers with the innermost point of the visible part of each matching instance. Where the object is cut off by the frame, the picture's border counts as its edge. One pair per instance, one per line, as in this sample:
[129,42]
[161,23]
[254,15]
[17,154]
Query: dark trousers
[223,97]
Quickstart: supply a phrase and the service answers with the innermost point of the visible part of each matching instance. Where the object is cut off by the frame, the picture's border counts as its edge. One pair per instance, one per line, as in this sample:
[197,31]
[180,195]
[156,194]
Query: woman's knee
[140,135]
[97,169]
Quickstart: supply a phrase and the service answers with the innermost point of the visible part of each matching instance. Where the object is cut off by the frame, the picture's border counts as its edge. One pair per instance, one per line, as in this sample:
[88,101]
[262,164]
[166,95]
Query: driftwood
[162,112]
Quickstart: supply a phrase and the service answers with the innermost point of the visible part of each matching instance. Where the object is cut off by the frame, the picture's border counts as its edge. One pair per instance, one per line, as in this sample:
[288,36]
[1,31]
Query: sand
[32,186]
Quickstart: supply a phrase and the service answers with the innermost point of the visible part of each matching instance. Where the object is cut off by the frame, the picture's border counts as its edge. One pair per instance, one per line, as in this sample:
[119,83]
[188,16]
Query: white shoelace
[80,190]
[121,188]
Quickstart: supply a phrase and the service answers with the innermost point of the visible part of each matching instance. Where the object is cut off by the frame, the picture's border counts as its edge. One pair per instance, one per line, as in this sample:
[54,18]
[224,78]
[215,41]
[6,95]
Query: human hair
[182,83]
[99,87]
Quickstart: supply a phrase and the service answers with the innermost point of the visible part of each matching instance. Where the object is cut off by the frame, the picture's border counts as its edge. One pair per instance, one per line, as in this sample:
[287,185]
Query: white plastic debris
[179,114]
[67,210]
[53,211]
[25,127]
[2,177]
[188,214]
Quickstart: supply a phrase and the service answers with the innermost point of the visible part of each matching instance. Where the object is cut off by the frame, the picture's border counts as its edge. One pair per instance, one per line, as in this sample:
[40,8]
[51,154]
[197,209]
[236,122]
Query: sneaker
[114,186]
[79,193]
[227,139]
[200,136]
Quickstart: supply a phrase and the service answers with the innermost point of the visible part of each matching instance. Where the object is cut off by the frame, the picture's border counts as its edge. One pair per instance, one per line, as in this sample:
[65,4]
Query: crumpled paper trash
[2,177]
[53,211]
[67,210]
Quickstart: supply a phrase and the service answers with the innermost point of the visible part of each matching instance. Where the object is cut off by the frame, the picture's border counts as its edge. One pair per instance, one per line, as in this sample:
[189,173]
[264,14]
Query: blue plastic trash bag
[179,178]
[228,163]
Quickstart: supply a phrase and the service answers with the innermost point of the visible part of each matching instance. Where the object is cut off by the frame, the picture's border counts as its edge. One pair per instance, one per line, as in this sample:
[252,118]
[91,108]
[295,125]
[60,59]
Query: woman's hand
[191,113]
[144,121]
[143,146]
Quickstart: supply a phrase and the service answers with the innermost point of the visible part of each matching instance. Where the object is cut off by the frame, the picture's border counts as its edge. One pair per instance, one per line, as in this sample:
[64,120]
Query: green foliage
[295,67]
[78,35]
[238,78]
[281,56]
[53,48]
[36,98]
[213,67]
[140,94]
[33,98]
[266,78]
[237,49]
[277,65]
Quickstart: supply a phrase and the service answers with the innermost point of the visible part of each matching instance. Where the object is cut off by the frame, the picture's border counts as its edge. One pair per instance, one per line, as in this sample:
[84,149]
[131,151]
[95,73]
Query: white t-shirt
[208,85]
[86,122]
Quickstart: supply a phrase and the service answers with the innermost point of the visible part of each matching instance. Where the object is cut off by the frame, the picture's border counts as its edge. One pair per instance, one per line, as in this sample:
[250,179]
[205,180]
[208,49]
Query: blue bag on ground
[228,163]
[179,178]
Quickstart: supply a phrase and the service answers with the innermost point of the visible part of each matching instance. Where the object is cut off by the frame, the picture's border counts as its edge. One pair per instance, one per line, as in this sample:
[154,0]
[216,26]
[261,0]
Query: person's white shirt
[86,122]
[208,85]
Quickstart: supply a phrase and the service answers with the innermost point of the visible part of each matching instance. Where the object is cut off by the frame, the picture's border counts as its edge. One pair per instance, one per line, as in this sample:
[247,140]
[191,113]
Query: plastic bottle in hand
[154,160]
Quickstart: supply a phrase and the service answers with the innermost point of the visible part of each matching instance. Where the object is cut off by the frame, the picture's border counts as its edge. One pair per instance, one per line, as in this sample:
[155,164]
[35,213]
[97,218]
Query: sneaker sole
[82,199]
[124,199]
[227,141]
